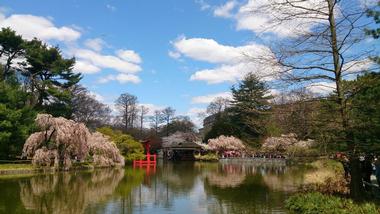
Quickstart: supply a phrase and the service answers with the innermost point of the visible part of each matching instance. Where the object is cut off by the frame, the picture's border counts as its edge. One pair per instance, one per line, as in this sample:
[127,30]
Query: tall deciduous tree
[143,110]
[156,119]
[167,115]
[88,110]
[127,106]
[217,106]
[322,46]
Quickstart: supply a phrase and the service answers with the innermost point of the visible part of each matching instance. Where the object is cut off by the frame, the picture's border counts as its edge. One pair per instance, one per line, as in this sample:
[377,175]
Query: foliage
[375,32]
[223,143]
[364,111]
[128,146]
[49,78]
[104,153]
[179,138]
[7,167]
[296,151]
[311,203]
[207,157]
[16,120]
[178,124]
[294,112]
[224,124]
[61,140]
[250,105]
[35,77]
[375,14]
[326,176]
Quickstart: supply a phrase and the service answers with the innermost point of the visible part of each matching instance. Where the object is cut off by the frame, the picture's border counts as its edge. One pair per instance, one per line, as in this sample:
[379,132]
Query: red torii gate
[149,161]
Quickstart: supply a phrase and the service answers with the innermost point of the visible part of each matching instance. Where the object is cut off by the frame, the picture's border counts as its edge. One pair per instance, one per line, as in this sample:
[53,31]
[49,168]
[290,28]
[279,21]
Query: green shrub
[333,165]
[128,146]
[297,151]
[317,203]
[207,157]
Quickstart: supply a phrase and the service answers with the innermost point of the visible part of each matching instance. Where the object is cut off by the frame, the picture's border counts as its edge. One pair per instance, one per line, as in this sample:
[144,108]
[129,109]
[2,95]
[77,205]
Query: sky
[174,53]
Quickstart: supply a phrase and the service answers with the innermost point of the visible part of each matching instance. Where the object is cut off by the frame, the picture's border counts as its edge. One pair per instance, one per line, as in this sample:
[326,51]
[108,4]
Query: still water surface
[226,187]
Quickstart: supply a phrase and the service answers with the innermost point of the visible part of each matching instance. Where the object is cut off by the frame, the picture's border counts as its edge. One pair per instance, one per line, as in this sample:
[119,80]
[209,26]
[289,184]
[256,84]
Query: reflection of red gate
[150,161]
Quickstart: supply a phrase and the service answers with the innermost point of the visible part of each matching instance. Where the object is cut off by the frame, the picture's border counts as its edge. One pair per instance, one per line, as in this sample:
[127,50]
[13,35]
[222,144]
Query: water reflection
[228,187]
[68,192]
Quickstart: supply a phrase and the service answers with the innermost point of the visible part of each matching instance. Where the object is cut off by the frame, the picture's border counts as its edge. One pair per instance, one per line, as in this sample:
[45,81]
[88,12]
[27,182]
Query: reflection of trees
[180,178]
[288,181]
[68,192]
[158,191]
[256,187]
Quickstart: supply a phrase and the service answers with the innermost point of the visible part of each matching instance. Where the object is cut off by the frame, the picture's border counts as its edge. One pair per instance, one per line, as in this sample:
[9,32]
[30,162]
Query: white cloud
[194,114]
[225,9]
[234,73]
[97,96]
[232,62]
[321,88]
[106,61]
[368,3]
[95,44]
[357,66]
[129,56]
[124,78]
[207,50]
[85,67]
[206,99]
[30,26]
[256,16]
[203,4]
[121,78]
[174,54]
[152,108]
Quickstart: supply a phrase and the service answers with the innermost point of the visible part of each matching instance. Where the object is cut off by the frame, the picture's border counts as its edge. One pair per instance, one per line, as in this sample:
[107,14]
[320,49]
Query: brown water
[226,187]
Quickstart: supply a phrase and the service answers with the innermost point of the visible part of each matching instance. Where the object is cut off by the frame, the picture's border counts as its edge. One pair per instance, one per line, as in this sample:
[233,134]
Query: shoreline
[14,172]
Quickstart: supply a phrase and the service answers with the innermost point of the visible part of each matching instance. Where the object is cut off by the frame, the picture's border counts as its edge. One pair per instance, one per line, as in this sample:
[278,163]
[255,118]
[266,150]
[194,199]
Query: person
[367,171]
[346,166]
[377,170]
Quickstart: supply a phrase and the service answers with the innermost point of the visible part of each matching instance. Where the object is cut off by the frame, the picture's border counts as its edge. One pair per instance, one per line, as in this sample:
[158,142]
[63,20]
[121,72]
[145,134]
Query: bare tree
[322,47]
[143,111]
[168,114]
[156,120]
[218,105]
[127,105]
[88,110]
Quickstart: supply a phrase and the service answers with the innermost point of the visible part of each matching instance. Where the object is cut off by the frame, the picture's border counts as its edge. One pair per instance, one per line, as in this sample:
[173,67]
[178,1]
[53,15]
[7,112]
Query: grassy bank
[211,157]
[21,170]
[315,202]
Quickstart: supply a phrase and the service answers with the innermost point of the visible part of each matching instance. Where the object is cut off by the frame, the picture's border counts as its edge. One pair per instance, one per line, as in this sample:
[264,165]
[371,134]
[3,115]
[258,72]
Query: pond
[188,187]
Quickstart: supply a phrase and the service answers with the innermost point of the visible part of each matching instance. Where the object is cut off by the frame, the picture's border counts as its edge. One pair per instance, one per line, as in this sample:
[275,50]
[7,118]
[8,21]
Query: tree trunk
[356,183]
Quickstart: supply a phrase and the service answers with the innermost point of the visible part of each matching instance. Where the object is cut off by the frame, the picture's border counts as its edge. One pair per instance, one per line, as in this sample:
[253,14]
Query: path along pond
[187,187]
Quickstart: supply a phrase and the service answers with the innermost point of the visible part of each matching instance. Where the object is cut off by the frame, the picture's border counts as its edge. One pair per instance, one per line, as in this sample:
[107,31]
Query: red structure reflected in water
[150,161]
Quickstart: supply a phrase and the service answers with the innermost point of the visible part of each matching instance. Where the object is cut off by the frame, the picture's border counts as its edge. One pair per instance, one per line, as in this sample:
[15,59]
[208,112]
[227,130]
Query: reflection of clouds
[228,175]
[225,180]
[68,192]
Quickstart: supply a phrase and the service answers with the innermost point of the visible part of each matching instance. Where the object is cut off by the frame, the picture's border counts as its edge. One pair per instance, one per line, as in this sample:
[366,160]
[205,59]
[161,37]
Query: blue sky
[167,53]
